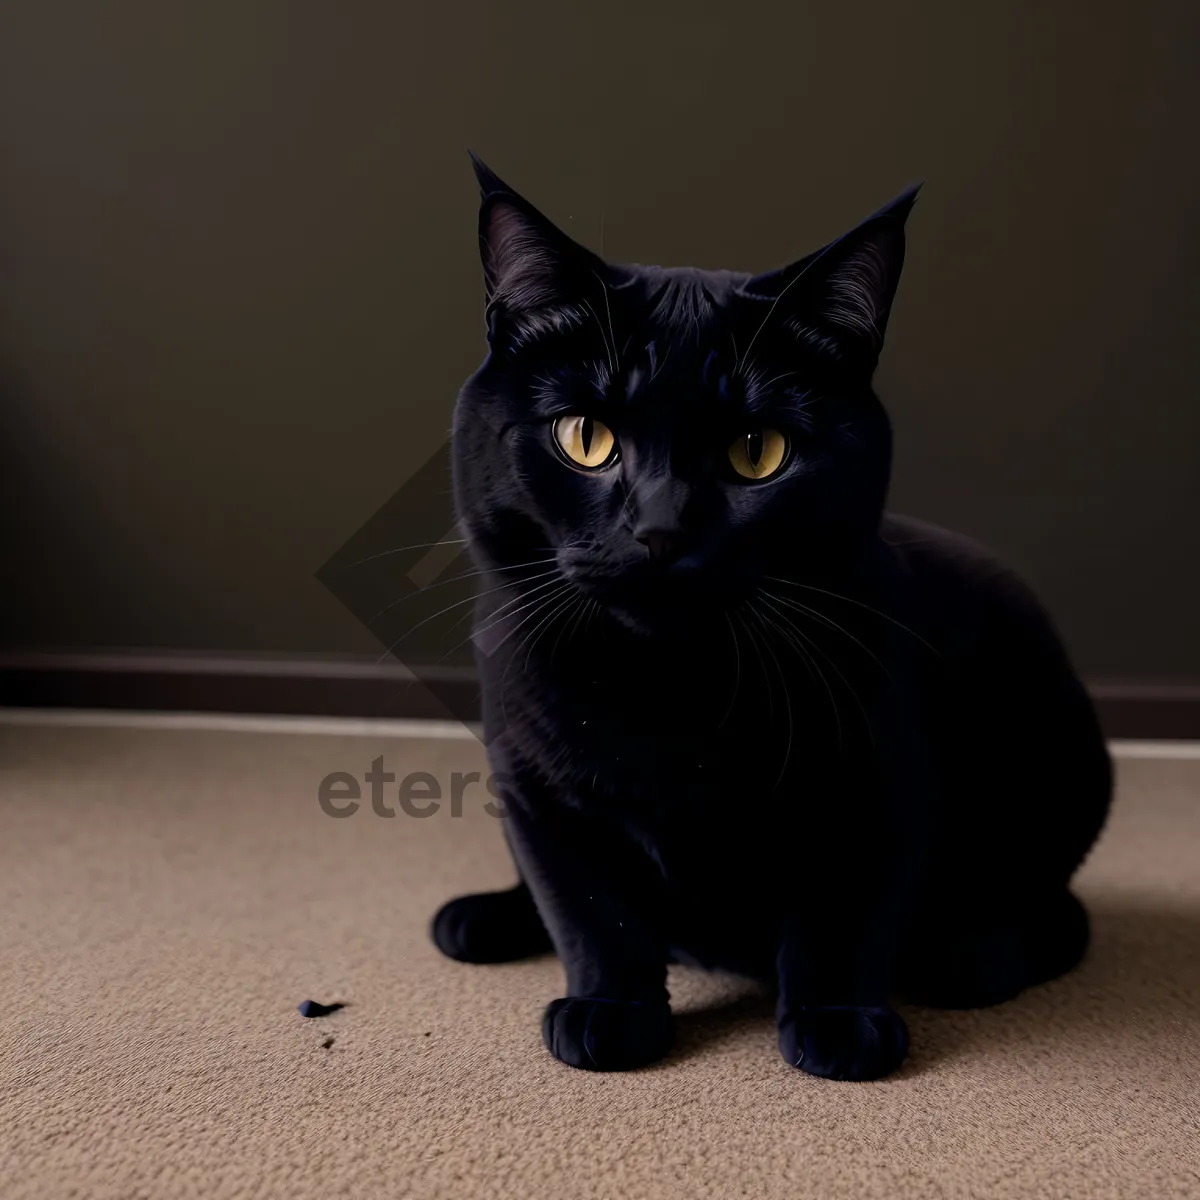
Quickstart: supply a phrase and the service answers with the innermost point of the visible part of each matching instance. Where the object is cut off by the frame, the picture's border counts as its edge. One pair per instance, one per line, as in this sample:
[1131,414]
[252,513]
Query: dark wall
[239,284]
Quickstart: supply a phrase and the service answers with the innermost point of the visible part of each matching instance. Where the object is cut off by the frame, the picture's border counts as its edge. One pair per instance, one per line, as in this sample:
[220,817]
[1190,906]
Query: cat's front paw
[490,927]
[606,1035]
[844,1042]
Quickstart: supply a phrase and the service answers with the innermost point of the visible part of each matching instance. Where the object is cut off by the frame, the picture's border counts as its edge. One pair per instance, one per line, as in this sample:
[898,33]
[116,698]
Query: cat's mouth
[604,577]
[645,593]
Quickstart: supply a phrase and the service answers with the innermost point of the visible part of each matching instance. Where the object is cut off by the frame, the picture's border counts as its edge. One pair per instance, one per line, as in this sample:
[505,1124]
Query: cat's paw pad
[606,1035]
[844,1042]
[491,927]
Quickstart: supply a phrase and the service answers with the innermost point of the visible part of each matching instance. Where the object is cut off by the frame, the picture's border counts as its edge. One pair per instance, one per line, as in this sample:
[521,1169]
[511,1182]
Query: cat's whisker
[803,654]
[795,630]
[608,351]
[564,603]
[542,605]
[592,608]
[737,670]
[659,366]
[850,600]
[402,549]
[828,621]
[494,617]
[608,312]
[539,607]
[777,378]
[757,653]
[787,754]
[555,603]
[499,616]
[770,311]
[448,608]
[626,513]
[570,619]
[837,716]
[459,579]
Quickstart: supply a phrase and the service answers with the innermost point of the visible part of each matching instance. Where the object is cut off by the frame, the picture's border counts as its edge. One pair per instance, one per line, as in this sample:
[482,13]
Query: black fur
[758,726]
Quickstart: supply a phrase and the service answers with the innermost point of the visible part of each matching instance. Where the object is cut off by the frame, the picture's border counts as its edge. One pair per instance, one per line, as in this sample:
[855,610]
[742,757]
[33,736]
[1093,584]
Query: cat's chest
[655,722]
[662,760]
[686,716]
[668,737]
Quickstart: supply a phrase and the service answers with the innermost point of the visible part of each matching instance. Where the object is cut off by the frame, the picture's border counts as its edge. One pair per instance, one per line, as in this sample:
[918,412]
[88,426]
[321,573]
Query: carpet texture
[168,898]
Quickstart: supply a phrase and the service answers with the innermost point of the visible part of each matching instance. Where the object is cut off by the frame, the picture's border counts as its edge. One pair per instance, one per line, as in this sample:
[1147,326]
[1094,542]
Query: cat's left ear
[847,286]
[531,269]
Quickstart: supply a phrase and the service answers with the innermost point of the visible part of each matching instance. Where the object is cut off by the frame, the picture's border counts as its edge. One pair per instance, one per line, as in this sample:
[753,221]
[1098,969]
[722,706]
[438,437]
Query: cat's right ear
[530,267]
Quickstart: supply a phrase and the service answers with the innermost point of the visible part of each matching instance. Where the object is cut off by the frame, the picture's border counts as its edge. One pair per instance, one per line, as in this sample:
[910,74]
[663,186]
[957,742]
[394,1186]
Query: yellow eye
[585,441]
[758,454]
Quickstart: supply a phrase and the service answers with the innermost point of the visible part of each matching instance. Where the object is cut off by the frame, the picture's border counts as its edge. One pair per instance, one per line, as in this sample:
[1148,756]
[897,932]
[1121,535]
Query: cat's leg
[1027,783]
[856,870]
[601,899]
[491,927]
[1057,935]
[835,1018]
[995,914]
[990,955]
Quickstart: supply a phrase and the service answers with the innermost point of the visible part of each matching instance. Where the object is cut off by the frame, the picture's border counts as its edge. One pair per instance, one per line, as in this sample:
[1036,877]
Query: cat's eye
[758,454]
[585,441]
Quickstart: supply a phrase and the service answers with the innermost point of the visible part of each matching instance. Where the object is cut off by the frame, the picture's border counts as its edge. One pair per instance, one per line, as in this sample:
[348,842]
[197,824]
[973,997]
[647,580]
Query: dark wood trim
[212,683]
[1148,710]
[363,688]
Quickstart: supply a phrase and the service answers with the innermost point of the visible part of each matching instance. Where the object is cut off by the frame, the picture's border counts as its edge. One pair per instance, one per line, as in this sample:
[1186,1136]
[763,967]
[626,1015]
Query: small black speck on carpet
[314,1008]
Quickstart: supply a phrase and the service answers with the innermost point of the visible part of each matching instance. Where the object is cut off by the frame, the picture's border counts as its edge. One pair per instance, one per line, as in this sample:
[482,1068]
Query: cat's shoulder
[955,567]
[923,541]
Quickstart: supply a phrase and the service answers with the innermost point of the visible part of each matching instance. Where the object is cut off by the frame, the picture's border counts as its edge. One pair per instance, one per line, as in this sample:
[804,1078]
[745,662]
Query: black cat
[742,718]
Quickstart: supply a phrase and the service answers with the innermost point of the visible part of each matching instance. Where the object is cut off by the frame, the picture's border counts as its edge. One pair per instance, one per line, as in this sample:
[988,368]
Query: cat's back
[971,601]
[933,549]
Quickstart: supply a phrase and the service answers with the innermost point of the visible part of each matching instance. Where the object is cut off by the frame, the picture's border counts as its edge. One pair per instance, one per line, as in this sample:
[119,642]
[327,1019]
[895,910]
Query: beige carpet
[167,898]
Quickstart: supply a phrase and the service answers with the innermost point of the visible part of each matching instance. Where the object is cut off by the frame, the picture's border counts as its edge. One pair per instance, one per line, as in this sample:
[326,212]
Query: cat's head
[662,438]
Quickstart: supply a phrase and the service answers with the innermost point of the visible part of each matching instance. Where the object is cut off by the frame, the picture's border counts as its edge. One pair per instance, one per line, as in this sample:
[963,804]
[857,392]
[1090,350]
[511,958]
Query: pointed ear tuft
[489,181]
[529,265]
[846,287]
[860,286]
[899,208]
[861,271]
[522,256]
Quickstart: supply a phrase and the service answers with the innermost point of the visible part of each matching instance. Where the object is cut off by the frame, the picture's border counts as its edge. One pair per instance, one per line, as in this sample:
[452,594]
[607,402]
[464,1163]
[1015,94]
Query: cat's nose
[662,544]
